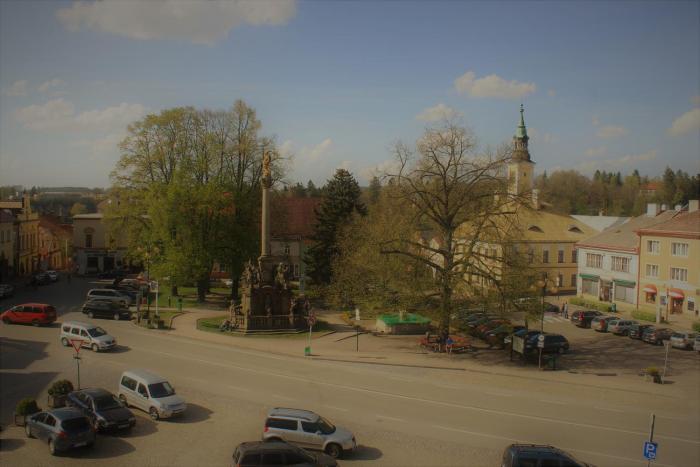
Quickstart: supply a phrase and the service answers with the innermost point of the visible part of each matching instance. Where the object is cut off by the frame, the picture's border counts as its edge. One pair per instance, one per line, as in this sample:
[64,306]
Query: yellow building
[7,244]
[95,250]
[670,264]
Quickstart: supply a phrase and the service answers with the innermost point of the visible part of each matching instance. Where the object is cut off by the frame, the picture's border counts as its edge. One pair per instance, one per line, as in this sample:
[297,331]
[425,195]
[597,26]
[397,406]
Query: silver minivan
[150,393]
[110,295]
[621,327]
[92,337]
[307,430]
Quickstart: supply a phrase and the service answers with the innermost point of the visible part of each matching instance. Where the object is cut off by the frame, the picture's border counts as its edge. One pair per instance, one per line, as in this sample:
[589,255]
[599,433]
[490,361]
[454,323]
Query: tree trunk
[234,288]
[173,290]
[202,286]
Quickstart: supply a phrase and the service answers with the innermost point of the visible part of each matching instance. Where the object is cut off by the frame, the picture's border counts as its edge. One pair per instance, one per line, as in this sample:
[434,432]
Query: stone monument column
[266,184]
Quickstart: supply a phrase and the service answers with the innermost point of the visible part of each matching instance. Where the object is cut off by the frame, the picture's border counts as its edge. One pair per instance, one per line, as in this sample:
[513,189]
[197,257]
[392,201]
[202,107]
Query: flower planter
[57,401]
[20,420]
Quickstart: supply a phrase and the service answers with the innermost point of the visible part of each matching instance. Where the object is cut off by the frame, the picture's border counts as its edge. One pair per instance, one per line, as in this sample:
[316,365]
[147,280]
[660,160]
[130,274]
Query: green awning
[624,283]
[591,277]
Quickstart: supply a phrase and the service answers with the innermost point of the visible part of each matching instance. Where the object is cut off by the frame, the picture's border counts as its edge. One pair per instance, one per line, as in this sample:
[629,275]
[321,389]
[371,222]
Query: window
[309,427]
[679,274]
[653,247]
[296,270]
[652,270]
[621,264]
[594,261]
[272,458]
[573,280]
[589,287]
[281,424]
[560,256]
[624,294]
[88,240]
[50,420]
[75,331]
[142,390]
[530,255]
[545,256]
[679,249]
[560,280]
[575,229]
[286,249]
[691,305]
[83,333]
[534,228]
[129,383]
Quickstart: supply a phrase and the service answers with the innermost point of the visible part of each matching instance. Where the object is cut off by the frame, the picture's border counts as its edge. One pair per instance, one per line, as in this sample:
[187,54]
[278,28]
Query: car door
[85,337]
[37,425]
[311,435]
[49,426]
[142,397]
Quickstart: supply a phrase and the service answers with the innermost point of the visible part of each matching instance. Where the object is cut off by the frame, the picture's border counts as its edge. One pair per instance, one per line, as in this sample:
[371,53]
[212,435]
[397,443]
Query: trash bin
[179,303]
[552,362]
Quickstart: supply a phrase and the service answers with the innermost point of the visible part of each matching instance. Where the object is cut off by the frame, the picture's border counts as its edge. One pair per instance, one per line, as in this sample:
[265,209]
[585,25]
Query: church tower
[520,168]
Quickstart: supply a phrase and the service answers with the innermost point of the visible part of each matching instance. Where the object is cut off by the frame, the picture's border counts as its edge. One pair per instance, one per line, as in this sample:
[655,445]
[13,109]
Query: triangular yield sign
[77,344]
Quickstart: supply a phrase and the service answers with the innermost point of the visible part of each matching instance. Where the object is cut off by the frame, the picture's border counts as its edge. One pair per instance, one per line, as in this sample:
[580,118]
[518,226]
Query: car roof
[94,392]
[66,413]
[146,376]
[293,413]
[32,304]
[78,323]
[265,446]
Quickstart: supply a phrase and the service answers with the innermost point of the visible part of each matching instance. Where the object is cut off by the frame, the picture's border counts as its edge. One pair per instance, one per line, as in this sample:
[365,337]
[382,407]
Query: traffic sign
[77,344]
[312,318]
[650,450]
[540,341]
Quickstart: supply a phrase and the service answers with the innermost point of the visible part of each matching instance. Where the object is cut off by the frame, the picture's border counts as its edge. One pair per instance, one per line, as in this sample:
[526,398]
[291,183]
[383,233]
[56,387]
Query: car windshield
[163,389]
[97,332]
[107,402]
[325,426]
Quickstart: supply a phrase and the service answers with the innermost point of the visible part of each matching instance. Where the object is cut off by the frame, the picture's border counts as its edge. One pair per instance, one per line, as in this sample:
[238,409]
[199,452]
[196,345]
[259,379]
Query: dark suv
[583,319]
[553,343]
[657,336]
[269,453]
[637,330]
[532,455]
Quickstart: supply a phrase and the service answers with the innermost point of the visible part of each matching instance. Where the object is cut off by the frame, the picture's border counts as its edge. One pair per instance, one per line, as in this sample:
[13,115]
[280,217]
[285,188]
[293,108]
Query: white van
[150,393]
[110,295]
[93,337]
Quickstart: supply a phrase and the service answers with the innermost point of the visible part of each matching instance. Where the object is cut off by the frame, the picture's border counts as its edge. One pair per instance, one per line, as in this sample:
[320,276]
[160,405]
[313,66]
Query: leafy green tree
[374,190]
[341,200]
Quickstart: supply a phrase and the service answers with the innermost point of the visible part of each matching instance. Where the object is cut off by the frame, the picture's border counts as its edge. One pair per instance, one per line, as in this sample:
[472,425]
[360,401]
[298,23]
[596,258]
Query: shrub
[652,371]
[60,388]
[590,304]
[26,407]
[696,326]
[644,316]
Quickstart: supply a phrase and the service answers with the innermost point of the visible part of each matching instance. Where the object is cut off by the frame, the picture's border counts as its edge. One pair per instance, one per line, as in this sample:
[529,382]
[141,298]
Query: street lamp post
[543,285]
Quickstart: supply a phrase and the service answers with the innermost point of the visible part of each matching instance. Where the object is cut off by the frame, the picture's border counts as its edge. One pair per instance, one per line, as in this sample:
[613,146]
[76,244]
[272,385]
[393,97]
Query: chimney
[652,209]
[536,199]
[693,205]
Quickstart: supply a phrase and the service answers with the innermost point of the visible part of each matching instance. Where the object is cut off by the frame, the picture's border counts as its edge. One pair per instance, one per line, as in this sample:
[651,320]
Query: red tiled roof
[684,224]
[299,217]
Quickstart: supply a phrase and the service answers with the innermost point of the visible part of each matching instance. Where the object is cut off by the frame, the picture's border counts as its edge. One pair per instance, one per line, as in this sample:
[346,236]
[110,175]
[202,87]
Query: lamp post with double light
[546,285]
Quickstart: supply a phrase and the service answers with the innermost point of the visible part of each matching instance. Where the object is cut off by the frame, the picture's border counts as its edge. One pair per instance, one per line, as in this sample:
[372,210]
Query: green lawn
[165,315]
[217,296]
[212,325]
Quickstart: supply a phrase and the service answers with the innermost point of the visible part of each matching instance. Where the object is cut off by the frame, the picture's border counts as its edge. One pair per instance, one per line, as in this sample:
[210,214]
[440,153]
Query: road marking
[337,408]
[424,400]
[609,409]
[390,418]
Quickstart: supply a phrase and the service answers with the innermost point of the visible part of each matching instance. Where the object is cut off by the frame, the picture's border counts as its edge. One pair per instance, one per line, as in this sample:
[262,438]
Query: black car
[583,319]
[113,274]
[637,330]
[102,408]
[526,455]
[656,336]
[128,291]
[256,453]
[553,343]
[39,279]
[106,309]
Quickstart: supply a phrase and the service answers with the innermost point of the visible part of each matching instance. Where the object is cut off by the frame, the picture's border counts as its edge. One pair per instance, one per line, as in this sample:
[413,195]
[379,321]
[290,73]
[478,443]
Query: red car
[30,313]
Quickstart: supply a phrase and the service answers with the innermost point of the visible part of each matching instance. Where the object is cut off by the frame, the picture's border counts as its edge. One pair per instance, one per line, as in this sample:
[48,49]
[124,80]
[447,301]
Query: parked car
[498,335]
[656,336]
[489,325]
[93,337]
[113,274]
[150,393]
[583,319]
[637,330]
[108,295]
[105,411]
[308,430]
[696,345]
[621,327]
[62,429]
[683,340]
[106,309]
[551,308]
[6,290]
[30,313]
[53,275]
[600,323]
[553,343]
[40,278]
[269,453]
[532,455]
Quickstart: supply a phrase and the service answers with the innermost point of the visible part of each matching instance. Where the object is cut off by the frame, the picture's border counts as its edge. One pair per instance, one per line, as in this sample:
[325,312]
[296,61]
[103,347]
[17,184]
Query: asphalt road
[401,416]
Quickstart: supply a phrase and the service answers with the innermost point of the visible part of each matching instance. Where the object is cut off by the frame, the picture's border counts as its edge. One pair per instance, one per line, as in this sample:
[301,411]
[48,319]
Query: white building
[94,248]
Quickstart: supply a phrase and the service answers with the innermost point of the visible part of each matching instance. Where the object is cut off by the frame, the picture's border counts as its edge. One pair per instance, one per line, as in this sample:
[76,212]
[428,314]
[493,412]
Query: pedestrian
[565,310]
[448,345]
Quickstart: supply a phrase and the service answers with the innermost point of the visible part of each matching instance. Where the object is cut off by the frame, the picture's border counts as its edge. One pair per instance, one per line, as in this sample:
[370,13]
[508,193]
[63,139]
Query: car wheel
[52,447]
[6,320]
[334,450]
[65,342]
[116,316]
[122,398]
[28,430]
[91,314]
[35,323]
[95,348]
[153,412]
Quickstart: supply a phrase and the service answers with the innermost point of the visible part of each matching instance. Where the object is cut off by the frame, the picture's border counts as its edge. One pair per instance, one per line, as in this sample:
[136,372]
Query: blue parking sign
[650,450]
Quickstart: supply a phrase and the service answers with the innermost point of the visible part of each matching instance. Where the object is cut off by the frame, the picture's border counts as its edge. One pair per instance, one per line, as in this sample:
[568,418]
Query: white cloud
[695,100]
[101,147]
[200,22]
[625,162]
[388,166]
[314,153]
[347,165]
[286,149]
[611,131]
[596,152]
[437,113]
[16,89]
[59,114]
[552,93]
[536,137]
[54,83]
[686,123]
[492,86]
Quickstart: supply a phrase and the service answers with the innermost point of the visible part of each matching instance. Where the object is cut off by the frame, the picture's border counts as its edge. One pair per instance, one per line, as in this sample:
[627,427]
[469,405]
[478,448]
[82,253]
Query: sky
[605,85]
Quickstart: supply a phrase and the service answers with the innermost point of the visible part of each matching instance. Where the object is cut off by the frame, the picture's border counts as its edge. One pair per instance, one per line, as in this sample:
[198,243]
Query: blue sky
[611,85]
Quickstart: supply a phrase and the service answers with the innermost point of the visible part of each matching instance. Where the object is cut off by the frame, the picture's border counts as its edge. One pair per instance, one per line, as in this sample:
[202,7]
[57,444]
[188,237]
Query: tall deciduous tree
[341,199]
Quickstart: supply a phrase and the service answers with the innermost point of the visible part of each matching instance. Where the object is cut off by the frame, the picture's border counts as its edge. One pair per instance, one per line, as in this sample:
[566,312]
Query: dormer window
[535,228]
[574,229]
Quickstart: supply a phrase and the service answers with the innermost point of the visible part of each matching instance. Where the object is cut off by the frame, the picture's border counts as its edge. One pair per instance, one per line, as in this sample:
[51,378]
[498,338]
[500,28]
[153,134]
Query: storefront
[650,293]
[625,291]
[605,291]
[677,298]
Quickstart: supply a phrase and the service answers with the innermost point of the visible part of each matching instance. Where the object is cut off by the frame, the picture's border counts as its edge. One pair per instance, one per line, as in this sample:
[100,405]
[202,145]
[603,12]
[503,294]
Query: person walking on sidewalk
[565,310]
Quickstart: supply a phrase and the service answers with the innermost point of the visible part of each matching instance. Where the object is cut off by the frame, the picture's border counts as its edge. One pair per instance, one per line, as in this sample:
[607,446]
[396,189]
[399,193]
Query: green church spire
[521,132]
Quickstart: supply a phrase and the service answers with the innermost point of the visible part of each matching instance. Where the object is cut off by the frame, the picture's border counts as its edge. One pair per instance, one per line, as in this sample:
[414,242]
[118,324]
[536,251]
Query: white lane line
[447,386]
[386,417]
[283,397]
[609,409]
[333,407]
[424,400]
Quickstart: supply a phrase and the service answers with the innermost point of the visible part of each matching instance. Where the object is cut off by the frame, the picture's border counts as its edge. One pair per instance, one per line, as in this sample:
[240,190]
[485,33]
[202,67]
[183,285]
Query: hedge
[644,316]
[589,304]
[696,326]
